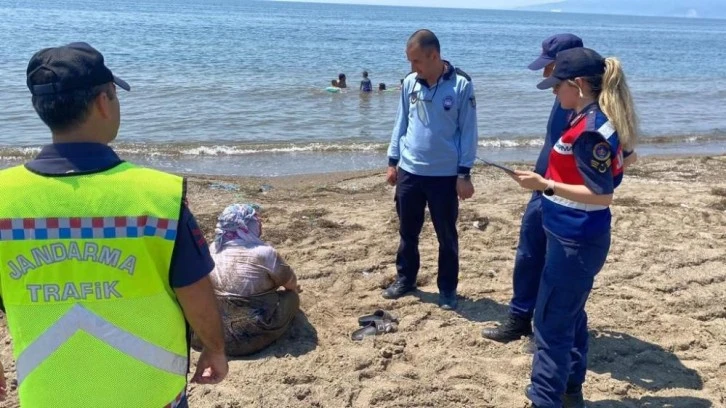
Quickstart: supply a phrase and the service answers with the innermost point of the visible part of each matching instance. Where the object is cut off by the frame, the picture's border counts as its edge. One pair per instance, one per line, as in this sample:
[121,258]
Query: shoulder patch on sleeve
[472,100]
[601,157]
[463,74]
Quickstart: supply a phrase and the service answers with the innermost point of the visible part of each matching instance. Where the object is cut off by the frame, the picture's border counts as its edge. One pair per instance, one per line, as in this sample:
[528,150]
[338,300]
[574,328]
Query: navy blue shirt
[559,119]
[190,261]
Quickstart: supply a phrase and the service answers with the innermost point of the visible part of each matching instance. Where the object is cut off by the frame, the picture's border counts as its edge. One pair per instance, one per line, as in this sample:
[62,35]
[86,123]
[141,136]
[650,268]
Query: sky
[485,4]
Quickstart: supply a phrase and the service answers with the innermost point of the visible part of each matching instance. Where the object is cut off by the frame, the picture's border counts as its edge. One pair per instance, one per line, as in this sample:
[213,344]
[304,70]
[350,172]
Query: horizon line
[523,9]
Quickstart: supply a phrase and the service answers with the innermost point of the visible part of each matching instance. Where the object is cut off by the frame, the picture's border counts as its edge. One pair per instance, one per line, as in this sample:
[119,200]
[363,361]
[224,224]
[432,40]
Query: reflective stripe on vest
[86,228]
[606,130]
[79,318]
[574,204]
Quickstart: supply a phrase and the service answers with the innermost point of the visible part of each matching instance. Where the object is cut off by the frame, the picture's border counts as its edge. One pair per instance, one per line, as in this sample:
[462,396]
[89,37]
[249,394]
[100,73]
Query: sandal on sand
[377,315]
[375,327]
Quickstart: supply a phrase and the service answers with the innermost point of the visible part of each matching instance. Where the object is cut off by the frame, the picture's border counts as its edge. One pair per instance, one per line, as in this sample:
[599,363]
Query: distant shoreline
[690,13]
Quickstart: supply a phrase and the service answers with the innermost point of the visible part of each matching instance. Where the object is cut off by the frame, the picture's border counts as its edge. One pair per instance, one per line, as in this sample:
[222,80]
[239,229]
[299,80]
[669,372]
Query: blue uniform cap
[68,68]
[574,63]
[551,46]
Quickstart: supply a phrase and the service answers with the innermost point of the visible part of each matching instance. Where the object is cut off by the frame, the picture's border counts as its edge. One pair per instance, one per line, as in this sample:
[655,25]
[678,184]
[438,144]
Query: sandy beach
[657,313]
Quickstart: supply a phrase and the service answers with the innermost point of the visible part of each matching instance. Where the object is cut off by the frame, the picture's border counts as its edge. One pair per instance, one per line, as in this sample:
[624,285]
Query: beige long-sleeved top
[246,271]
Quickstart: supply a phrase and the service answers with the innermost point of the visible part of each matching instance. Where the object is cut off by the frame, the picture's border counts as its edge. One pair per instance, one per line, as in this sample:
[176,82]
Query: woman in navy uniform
[530,257]
[584,168]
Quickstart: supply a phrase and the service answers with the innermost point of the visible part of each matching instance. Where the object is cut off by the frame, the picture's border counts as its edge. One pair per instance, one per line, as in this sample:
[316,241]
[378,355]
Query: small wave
[311,147]
[18,153]
[202,149]
[9,153]
[510,143]
[717,135]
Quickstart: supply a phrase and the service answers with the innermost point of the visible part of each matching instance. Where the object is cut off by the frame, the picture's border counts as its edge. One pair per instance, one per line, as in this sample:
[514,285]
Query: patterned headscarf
[238,223]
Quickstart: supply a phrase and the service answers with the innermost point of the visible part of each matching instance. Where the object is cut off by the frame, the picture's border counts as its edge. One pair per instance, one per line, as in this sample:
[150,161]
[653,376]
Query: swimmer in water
[340,83]
[365,84]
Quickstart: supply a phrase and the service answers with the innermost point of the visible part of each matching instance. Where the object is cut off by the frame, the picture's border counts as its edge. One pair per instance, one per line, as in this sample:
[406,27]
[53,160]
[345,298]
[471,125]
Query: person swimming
[333,88]
[340,83]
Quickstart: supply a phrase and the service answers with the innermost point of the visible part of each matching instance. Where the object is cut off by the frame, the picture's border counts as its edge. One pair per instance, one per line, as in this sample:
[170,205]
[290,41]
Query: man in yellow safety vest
[102,265]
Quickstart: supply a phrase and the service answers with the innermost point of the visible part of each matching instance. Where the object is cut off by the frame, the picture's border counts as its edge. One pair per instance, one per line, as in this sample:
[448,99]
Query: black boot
[576,400]
[448,301]
[512,329]
[398,289]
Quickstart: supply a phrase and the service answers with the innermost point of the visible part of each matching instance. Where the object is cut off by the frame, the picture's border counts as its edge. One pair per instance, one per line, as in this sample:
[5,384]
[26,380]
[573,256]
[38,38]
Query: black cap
[574,63]
[551,46]
[68,68]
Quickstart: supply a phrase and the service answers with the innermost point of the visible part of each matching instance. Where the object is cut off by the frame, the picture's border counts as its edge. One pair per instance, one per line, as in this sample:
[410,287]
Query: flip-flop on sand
[377,315]
[373,328]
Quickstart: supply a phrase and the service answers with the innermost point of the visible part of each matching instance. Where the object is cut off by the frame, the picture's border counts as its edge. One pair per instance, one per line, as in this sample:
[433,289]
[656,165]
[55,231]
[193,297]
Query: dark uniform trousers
[413,193]
[529,261]
[560,321]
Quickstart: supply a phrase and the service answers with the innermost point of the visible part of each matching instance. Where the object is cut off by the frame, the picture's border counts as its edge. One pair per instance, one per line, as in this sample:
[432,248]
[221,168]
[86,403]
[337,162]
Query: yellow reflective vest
[84,276]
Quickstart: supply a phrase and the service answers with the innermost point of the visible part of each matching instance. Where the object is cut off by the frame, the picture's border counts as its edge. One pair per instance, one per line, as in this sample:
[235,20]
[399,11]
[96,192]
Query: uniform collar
[448,73]
[73,158]
[584,112]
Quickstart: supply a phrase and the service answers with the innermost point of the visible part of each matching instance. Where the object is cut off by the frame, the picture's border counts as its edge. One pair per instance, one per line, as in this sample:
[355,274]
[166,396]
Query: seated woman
[256,290]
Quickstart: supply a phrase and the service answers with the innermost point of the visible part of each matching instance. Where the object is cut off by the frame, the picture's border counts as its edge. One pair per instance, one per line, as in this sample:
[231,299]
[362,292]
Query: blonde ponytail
[617,103]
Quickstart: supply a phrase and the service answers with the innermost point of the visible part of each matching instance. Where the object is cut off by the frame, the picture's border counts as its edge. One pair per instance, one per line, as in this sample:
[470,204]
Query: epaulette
[464,74]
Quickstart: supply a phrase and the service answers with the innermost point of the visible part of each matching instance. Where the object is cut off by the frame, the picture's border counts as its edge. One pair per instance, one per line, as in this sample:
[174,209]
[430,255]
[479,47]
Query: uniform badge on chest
[448,102]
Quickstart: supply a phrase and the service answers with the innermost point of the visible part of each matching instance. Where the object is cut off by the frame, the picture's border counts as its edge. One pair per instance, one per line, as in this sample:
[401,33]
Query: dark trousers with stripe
[529,260]
[413,193]
[560,321]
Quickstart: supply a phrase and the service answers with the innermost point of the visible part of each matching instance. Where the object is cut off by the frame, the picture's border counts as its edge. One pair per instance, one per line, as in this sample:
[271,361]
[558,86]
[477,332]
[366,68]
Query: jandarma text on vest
[65,251]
